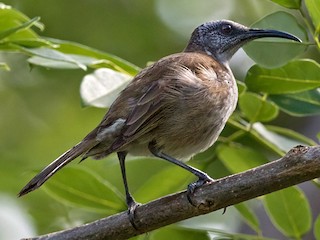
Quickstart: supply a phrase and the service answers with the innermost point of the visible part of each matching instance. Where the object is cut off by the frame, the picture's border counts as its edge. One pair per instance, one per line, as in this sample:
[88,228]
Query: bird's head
[221,39]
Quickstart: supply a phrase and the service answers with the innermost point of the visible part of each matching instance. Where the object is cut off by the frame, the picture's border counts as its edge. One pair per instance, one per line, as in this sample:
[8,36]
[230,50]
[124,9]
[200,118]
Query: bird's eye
[226,29]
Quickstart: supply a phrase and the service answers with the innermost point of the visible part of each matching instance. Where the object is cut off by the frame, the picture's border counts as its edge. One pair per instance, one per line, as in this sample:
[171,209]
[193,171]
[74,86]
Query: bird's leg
[203,178]
[131,203]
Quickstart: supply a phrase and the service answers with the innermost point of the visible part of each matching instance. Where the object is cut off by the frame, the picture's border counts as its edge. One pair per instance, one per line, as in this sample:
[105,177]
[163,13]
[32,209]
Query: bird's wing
[137,105]
[143,118]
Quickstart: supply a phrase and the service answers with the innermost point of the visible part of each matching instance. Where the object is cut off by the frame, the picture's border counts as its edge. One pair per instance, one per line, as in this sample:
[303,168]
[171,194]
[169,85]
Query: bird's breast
[197,110]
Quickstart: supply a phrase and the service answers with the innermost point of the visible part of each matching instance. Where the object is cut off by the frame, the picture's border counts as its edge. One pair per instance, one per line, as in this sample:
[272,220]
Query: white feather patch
[111,131]
[187,75]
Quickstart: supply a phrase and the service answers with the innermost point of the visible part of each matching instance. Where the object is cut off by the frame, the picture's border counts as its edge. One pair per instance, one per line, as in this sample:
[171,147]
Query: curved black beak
[254,33]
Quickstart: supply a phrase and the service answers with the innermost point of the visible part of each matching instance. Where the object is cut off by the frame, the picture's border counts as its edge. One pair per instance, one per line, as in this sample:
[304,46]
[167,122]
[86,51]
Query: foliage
[277,83]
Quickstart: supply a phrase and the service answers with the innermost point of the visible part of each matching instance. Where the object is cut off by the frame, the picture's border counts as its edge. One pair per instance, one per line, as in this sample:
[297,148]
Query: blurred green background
[41,113]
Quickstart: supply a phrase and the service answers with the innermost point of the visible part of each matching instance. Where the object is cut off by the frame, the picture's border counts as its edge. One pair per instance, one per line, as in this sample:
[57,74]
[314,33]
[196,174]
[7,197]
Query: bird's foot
[132,206]
[203,179]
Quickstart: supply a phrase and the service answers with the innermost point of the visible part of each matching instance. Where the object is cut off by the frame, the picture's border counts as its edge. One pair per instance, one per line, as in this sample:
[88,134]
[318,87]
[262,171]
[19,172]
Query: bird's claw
[132,206]
[193,186]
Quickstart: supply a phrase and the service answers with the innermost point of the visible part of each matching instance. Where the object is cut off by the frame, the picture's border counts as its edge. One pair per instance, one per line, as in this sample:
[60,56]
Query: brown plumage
[172,109]
[162,97]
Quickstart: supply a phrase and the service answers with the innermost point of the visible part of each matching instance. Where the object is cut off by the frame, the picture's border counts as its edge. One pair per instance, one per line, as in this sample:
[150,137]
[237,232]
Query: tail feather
[57,164]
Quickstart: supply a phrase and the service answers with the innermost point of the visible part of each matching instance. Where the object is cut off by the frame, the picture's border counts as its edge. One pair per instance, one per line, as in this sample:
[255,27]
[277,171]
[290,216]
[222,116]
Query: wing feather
[143,117]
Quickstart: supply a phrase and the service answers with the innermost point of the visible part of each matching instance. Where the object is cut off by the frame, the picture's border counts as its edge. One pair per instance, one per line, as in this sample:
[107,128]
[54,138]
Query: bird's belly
[194,132]
[194,139]
[183,139]
[180,142]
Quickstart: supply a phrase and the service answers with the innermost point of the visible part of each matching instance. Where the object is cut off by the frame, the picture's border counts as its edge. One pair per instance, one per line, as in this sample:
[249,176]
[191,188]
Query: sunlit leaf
[313,7]
[299,104]
[295,4]
[15,28]
[284,142]
[101,87]
[55,59]
[26,25]
[50,63]
[243,127]
[4,66]
[291,134]
[113,62]
[249,216]
[52,54]
[265,141]
[256,108]
[7,13]
[239,158]
[236,236]
[289,211]
[296,76]
[276,52]
[82,188]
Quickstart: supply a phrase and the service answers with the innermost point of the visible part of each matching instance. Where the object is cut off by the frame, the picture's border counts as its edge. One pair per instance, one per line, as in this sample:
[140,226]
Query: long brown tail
[52,168]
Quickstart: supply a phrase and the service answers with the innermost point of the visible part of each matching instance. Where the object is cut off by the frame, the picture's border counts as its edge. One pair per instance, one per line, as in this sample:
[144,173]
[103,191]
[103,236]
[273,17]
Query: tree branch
[298,165]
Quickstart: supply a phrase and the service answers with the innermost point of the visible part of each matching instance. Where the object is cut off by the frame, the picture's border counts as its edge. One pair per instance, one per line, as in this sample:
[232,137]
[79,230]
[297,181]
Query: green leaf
[281,141]
[294,4]
[82,188]
[178,233]
[249,216]
[107,59]
[313,7]
[316,228]
[32,42]
[167,181]
[51,54]
[289,211]
[215,233]
[8,14]
[238,159]
[24,26]
[265,141]
[299,104]
[4,66]
[70,55]
[291,134]
[276,52]
[51,63]
[15,27]
[241,87]
[256,108]
[101,87]
[296,76]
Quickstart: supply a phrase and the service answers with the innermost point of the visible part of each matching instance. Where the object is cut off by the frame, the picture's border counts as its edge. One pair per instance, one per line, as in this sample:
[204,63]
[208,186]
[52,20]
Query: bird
[172,109]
